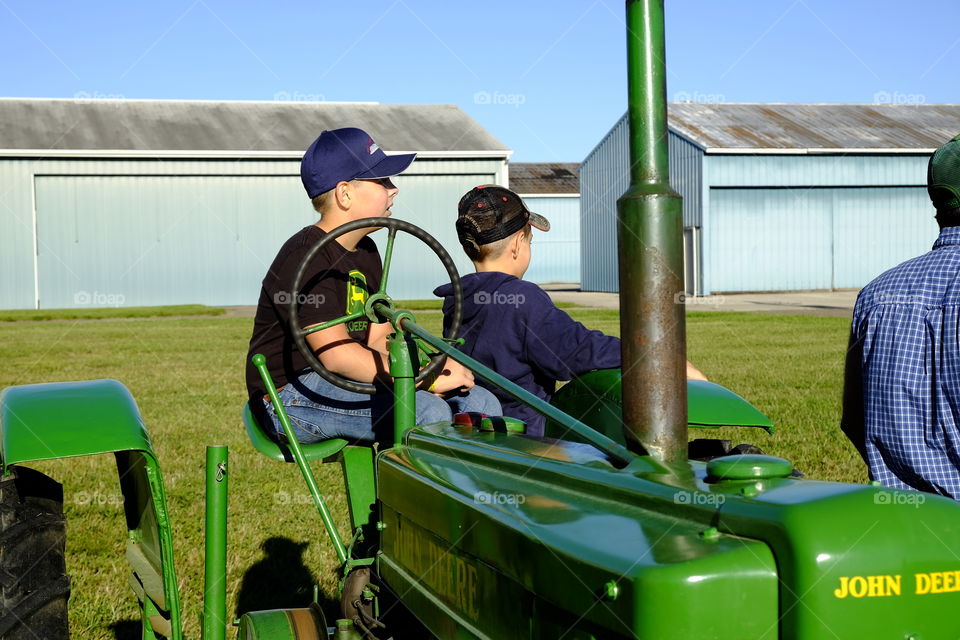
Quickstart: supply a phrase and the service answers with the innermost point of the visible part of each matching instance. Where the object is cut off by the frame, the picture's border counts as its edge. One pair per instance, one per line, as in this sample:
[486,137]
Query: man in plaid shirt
[901,405]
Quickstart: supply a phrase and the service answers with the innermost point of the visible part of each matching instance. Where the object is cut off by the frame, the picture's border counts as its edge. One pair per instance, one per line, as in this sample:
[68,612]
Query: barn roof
[815,127]
[236,128]
[528,178]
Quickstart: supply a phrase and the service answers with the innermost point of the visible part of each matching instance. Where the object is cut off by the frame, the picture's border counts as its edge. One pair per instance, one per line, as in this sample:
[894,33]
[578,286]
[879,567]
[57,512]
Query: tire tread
[34,586]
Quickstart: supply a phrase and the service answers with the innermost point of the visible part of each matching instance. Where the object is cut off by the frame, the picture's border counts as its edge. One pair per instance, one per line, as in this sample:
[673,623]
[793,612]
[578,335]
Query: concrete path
[818,303]
[821,303]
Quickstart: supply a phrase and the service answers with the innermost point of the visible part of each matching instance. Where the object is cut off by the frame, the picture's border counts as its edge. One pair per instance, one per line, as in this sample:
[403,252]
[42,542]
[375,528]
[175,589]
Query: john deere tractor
[613,525]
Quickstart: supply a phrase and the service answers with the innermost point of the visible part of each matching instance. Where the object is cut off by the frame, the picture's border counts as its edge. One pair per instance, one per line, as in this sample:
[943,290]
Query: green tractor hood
[498,535]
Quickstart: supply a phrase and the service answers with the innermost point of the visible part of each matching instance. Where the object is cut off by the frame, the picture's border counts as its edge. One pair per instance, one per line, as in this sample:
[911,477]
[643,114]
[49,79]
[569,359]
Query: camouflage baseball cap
[943,176]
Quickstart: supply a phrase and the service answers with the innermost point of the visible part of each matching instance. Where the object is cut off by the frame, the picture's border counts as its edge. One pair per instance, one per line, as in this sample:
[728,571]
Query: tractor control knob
[748,467]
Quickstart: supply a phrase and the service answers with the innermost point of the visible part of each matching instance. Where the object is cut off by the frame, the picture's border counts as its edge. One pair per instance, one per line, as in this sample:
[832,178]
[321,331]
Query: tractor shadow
[127,630]
[280,580]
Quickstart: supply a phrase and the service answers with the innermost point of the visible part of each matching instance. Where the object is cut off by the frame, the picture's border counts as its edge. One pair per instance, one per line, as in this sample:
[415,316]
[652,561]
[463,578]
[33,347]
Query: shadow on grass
[127,630]
[280,580]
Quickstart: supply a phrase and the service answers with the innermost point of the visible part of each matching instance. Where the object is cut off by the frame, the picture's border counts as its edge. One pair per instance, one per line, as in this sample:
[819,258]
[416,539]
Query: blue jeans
[319,410]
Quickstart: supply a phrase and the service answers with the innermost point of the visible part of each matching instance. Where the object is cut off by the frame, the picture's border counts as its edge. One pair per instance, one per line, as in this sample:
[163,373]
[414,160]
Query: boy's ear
[515,244]
[341,193]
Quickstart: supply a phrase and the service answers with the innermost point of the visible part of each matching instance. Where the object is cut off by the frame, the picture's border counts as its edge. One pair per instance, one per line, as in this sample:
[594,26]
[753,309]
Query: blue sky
[546,78]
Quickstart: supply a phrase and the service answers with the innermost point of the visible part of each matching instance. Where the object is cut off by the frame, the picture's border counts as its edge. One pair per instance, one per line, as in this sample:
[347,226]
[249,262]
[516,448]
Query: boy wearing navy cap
[347,177]
[512,325]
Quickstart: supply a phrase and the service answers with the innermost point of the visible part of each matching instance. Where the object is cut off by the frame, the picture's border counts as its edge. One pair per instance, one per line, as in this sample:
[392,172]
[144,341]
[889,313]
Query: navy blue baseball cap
[342,155]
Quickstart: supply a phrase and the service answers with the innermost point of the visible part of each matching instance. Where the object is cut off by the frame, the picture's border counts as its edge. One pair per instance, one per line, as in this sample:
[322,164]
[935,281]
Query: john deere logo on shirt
[356,298]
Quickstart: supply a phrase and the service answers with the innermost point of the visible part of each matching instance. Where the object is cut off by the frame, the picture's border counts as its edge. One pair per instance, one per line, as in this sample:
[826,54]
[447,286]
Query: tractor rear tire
[34,586]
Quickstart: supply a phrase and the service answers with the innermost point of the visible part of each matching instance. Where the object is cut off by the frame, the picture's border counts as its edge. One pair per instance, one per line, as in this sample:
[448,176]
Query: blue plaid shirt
[903,400]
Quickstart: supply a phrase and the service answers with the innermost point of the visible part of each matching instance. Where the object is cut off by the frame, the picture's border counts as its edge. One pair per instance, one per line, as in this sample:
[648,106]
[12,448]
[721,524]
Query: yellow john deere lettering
[869,586]
[876,586]
[938,582]
[357,295]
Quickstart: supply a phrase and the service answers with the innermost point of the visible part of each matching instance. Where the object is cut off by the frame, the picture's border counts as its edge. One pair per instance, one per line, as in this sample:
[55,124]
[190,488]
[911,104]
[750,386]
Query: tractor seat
[273,449]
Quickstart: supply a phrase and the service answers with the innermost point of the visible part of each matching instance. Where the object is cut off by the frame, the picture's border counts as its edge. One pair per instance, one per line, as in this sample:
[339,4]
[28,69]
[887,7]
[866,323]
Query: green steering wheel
[380,298]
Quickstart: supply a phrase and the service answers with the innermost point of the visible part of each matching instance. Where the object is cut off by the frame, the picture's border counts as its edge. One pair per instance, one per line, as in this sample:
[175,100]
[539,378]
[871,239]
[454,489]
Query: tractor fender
[67,419]
[595,399]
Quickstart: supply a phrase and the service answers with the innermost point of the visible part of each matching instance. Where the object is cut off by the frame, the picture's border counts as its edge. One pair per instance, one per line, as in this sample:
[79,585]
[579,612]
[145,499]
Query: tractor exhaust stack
[650,231]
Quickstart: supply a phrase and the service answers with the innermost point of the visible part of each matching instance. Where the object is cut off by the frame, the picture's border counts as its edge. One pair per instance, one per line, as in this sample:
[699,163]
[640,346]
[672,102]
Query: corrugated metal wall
[17,250]
[604,177]
[429,201]
[151,240]
[876,229]
[813,238]
[556,254]
[686,176]
[783,223]
[132,232]
[848,170]
[765,239]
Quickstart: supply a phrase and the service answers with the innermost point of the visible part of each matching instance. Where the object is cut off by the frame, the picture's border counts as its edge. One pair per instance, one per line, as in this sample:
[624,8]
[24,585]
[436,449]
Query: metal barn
[779,197]
[130,202]
[552,189]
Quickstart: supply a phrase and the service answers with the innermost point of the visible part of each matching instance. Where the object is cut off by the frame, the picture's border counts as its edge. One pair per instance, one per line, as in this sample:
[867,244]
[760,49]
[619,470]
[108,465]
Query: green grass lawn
[24,315]
[186,374]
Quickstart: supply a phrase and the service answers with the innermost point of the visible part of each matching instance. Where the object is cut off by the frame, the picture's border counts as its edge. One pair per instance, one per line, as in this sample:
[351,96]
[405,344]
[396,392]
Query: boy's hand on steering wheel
[453,377]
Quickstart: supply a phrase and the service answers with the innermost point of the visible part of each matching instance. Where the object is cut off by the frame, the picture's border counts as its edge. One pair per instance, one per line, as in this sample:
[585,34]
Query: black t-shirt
[337,283]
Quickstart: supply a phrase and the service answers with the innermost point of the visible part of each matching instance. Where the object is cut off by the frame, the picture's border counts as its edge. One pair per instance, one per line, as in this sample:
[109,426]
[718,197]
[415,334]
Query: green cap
[943,176]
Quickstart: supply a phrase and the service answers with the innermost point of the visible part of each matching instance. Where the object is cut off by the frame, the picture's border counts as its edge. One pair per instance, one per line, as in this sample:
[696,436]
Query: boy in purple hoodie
[512,325]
